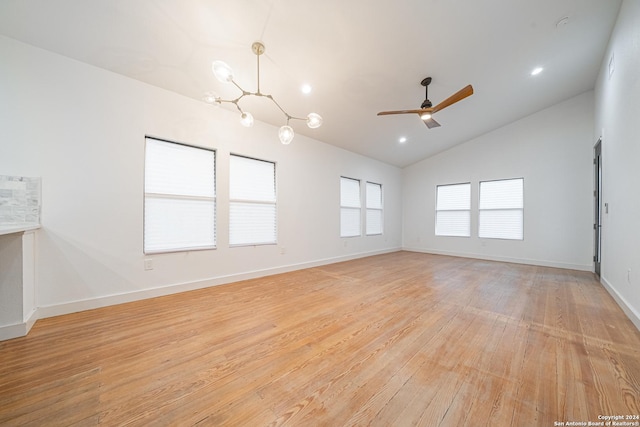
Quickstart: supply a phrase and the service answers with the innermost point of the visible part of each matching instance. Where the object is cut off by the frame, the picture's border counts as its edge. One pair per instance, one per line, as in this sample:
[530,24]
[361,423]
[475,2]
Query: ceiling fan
[426,110]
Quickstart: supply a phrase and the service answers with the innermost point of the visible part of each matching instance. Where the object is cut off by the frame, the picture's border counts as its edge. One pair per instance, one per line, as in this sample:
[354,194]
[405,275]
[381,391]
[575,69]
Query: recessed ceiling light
[536,71]
[306,89]
[402,140]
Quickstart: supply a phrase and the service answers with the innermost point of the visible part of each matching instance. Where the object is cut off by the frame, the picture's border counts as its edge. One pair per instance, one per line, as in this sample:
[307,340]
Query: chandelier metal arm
[258,53]
[232,101]
[246,93]
[289,116]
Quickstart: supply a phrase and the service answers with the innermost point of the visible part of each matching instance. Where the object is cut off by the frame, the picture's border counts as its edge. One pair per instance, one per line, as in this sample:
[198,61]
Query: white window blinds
[349,207]
[252,204]
[453,210]
[501,209]
[179,197]
[374,208]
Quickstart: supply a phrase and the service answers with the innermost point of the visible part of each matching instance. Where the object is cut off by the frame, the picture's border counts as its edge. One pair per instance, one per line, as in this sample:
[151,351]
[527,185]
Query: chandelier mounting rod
[258,49]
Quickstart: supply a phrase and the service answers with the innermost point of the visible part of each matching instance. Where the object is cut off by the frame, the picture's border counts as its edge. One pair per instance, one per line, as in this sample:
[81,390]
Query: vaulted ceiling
[359,56]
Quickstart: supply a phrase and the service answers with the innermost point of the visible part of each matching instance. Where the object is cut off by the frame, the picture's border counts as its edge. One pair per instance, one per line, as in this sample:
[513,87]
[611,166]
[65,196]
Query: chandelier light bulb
[286,134]
[314,120]
[246,120]
[211,98]
[222,71]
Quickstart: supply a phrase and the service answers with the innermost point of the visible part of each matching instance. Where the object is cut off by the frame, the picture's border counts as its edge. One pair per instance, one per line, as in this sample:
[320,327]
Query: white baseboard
[13,331]
[18,330]
[104,301]
[541,263]
[632,314]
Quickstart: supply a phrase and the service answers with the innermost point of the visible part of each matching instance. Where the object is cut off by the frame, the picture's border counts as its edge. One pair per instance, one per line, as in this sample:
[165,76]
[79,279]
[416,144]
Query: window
[179,197]
[501,209]
[349,207]
[453,210]
[252,201]
[374,208]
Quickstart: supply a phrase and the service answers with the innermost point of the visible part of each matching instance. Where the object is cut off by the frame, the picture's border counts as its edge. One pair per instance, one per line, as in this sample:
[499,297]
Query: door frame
[597,204]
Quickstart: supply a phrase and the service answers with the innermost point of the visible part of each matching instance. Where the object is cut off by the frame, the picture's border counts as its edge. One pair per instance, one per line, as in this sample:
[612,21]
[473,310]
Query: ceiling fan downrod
[426,103]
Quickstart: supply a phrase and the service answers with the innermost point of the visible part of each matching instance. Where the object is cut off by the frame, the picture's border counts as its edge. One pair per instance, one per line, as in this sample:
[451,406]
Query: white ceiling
[360,56]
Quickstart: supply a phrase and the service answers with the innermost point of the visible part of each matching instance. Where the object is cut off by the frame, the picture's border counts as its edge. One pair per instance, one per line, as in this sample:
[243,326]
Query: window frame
[344,208]
[368,209]
[480,210]
[437,210]
[158,196]
[273,203]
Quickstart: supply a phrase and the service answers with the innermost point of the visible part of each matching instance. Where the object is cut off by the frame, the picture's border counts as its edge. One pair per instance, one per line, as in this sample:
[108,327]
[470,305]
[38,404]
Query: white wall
[552,150]
[82,129]
[617,121]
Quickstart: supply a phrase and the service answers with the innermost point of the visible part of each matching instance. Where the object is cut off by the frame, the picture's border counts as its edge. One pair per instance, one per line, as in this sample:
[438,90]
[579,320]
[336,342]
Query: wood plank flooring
[399,339]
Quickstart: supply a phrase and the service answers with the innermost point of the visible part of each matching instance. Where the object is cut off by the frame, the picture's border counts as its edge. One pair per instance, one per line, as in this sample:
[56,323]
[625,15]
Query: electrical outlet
[283,250]
[148,264]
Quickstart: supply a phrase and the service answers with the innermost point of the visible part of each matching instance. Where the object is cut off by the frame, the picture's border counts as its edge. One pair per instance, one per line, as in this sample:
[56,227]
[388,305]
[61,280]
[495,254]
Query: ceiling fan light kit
[426,110]
[224,73]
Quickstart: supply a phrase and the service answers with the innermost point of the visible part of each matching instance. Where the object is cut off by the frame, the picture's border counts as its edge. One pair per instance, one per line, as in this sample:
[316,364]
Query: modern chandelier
[224,73]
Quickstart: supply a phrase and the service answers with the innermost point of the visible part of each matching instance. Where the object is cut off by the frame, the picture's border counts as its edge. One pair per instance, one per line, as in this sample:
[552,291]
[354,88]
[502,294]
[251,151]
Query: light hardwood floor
[391,340]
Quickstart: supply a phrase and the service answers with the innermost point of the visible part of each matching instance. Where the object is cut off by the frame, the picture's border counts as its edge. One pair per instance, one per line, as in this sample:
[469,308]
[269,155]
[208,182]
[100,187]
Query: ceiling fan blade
[386,113]
[431,123]
[458,96]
